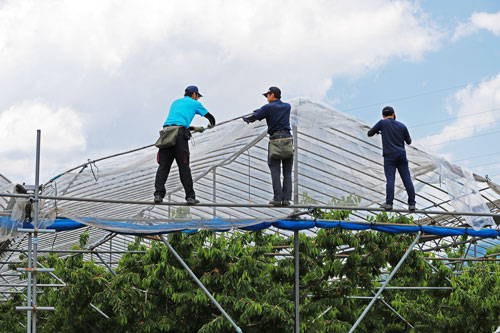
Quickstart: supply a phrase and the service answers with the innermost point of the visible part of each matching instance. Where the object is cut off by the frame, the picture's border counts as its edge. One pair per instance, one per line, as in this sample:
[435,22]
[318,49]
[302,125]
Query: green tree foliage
[252,274]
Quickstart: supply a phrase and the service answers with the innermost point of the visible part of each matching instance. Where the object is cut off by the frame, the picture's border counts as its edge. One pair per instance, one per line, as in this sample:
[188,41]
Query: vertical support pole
[296,232]
[35,220]
[214,192]
[385,283]
[30,243]
[169,200]
[186,267]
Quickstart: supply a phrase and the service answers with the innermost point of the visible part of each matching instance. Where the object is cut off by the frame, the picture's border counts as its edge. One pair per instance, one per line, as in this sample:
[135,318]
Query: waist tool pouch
[168,137]
[281,149]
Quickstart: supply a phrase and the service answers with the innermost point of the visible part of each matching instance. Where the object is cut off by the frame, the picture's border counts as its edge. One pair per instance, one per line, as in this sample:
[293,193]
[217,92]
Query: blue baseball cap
[193,89]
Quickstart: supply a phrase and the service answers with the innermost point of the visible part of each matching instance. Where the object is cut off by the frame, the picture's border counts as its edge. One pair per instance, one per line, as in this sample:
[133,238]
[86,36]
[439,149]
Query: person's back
[183,110]
[394,135]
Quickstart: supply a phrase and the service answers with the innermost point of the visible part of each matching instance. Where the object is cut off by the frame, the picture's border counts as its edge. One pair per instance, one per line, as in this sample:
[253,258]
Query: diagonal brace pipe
[385,283]
[199,283]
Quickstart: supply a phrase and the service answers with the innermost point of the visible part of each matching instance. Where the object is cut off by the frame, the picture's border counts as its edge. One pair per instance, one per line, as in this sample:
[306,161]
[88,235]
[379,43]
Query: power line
[474,157]
[412,96]
[470,137]
[481,165]
[461,128]
[458,117]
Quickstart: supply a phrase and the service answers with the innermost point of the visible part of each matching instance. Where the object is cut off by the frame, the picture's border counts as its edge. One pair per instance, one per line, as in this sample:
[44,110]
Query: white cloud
[62,136]
[478,21]
[121,63]
[471,106]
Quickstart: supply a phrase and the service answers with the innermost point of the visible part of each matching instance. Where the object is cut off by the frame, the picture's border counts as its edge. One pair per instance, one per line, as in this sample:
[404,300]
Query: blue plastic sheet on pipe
[124,227]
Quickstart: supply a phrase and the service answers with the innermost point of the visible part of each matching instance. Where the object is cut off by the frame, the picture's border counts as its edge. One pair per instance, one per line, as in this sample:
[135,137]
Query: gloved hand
[246,120]
[210,126]
[199,129]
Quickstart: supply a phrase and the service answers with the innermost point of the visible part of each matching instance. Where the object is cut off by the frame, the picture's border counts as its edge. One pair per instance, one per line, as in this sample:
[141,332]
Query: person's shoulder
[400,123]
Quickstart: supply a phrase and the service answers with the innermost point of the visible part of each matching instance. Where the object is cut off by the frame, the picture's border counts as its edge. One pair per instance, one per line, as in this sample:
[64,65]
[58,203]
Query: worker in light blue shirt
[394,136]
[182,112]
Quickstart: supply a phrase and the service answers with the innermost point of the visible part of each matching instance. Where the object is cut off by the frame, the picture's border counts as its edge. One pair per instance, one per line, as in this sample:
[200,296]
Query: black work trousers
[166,156]
[281,193]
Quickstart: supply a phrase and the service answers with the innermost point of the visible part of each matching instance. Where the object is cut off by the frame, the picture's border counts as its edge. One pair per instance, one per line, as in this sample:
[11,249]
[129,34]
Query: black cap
[273,90]
[387,111]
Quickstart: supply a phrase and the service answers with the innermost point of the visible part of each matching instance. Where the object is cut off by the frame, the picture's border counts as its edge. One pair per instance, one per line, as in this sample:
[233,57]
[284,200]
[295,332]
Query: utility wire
[461,128]
[478,156]
[470,137]
[458,117]
[413,96]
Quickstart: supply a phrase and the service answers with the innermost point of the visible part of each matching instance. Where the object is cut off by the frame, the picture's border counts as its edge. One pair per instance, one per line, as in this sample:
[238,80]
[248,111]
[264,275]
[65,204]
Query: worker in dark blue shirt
[394,136]
[277,115]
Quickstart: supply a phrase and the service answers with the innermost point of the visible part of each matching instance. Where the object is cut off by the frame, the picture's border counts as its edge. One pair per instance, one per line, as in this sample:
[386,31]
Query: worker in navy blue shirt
[394,136]
[277,115]
[182,112]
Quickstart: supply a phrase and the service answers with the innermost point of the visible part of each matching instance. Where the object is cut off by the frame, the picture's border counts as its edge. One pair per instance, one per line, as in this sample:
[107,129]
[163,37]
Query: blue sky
[98,76]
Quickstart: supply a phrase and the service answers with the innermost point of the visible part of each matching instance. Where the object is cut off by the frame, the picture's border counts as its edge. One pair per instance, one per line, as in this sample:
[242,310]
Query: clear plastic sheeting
[337,162]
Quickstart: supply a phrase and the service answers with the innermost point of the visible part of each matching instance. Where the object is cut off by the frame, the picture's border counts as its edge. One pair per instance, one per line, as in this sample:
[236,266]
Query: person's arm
[375,129]
[258,114]
[211,119]
[407,136]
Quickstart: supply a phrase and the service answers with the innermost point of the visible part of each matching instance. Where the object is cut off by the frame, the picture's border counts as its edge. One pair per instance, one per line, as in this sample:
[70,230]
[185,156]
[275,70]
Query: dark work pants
[166,156]
[281,193]
[400,162]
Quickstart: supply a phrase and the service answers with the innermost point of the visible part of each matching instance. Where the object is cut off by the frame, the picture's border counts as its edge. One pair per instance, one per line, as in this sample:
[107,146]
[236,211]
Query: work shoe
[192,201]
[386,206]
[412,207]
[275,203]
[158,199]
[285,203]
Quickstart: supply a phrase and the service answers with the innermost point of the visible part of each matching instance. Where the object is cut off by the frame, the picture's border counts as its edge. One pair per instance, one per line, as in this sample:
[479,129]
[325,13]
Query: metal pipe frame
[237,205]
[80,251]
[381,289]
[35,220]
[186,267]
[296,238]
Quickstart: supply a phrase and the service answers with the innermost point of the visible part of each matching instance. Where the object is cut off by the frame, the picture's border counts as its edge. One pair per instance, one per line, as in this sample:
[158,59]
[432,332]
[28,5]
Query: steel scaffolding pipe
[238,205]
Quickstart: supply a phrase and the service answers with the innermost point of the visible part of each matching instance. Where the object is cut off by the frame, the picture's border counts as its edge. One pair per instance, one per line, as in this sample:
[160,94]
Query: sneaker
[192,201]
[412,207]
[275,203]
[158,199]
[386,206]
[285,203]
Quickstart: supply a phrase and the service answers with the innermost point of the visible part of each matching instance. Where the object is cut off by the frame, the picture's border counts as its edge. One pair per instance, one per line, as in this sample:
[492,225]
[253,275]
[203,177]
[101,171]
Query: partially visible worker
[277,115]
[182,112]
[394,136]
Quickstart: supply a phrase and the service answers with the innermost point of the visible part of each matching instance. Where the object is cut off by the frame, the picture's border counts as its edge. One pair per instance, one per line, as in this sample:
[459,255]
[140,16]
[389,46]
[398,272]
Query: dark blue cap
[192,89]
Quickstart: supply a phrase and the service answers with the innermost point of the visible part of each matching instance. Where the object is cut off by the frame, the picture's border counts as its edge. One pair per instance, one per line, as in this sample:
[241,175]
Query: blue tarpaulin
[124,227]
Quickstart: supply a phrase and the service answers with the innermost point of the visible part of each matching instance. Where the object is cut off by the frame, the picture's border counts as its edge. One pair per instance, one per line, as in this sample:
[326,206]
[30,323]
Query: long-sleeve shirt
[277,115]
[394,135]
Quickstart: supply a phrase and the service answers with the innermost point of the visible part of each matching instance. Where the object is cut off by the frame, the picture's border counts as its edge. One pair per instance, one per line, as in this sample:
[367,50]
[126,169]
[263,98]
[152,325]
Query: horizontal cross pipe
[38,285]
[416,288]
[463,259]
[35,230]
[17,292]
[80,251]
[35,308]
[35,269]
[235,205]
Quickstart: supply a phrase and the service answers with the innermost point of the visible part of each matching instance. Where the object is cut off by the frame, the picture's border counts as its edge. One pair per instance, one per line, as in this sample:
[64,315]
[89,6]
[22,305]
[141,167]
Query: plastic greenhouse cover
[337,162]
